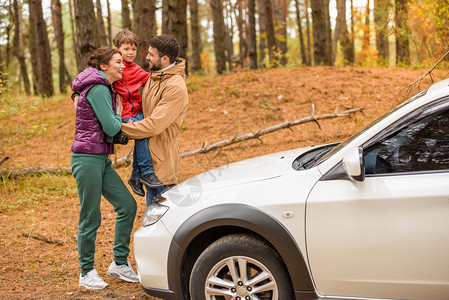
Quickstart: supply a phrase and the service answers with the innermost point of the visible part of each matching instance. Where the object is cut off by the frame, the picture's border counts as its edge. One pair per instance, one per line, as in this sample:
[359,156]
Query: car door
[388,235]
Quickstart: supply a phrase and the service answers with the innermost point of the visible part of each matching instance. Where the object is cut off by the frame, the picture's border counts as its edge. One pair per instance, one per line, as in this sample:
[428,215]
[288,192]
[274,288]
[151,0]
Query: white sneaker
[123,272]
[92,281]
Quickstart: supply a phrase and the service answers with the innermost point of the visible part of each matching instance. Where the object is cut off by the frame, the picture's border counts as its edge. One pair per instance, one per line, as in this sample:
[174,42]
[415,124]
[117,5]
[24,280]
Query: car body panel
[388,236]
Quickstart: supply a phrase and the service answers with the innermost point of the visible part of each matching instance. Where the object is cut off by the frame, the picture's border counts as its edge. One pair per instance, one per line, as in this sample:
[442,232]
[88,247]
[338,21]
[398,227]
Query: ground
[39,214]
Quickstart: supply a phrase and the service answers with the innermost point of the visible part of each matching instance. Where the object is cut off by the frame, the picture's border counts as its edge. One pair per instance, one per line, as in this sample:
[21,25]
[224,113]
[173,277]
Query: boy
[134,77]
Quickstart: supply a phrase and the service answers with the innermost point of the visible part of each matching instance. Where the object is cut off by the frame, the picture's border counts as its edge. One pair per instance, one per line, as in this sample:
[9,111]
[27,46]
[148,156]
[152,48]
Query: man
[164,104]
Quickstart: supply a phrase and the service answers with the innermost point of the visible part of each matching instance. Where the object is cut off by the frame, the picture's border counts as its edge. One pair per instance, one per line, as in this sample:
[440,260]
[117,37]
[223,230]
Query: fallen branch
[3,160]
[14,173]
[409,87]
[43,239]
[255,135]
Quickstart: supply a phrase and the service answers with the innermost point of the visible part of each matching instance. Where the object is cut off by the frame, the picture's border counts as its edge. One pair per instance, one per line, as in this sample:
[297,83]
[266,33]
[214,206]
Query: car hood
[243,172]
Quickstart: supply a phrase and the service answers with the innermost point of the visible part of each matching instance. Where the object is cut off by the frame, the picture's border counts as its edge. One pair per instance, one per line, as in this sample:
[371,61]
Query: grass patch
[32,191]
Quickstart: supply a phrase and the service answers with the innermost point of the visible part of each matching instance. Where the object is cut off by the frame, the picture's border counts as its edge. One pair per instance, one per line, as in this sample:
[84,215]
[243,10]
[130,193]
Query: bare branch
[257,134]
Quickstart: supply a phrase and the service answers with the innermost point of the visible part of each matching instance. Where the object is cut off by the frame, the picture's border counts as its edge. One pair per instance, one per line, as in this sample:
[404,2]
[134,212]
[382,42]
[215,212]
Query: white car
[364,219]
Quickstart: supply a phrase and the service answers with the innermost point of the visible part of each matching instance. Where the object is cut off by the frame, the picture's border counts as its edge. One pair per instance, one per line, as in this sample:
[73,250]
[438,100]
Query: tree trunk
[380,11]
[402,32]
[33,51]
[279,8]
[143,27]
[126,20]
[352,30]
[252,39]
[219,35]
[228,29]
[177,25]
[86,31]
[309,43]
[165,18]
[271,37]
[100,24]
[238,12]
[18,46]
[109,17]
[262,33]
[341,34]
[64,77]
[321,32]
[8,34]
[43,50]
[72,24]
[301,38]
[195,66]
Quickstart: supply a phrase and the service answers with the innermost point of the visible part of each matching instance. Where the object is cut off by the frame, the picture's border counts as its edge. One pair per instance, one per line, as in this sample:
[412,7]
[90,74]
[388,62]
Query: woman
[96,120]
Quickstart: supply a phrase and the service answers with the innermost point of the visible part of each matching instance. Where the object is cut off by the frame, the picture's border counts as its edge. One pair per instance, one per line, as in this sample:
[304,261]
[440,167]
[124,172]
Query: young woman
[96,121]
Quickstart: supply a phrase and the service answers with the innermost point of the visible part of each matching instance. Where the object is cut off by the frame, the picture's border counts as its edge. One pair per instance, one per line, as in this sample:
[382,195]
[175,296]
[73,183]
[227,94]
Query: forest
[253,66]
[45,43]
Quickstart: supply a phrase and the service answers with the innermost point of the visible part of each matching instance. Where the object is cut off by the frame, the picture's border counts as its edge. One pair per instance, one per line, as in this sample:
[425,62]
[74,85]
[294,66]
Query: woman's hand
[119,105]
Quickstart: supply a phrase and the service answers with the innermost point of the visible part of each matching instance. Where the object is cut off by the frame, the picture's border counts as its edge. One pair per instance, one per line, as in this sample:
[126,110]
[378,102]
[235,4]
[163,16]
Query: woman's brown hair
[101,56]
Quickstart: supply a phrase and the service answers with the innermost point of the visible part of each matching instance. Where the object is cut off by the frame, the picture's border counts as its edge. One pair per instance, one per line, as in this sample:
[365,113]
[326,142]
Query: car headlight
[153,213]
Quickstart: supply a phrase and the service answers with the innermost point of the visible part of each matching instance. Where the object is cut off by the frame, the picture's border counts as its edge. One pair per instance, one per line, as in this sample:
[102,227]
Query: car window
[422,145]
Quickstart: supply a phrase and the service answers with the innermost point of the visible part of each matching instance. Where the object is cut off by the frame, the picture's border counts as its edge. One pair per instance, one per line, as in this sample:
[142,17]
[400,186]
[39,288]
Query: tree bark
[165,18]
[33,52]
[8,34]
[64,77]
[322,41]
[86,31]
[252,39]
[271,37]
[219,35]
[109,17]
[238,12]
[301,38]
[100,24]
[143,28]
[309,43]
[341,34]
[402,32]
[228,30]
[126,20]
[279,8]
[43,50]
[177,25]
[381,10]
[195,66]
[262,33]
[18,46]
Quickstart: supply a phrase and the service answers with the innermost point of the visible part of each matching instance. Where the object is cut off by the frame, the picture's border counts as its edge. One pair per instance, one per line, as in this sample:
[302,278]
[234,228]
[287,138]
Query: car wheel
[241,267]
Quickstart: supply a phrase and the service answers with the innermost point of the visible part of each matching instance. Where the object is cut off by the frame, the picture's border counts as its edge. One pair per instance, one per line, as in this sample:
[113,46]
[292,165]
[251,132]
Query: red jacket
[134,77]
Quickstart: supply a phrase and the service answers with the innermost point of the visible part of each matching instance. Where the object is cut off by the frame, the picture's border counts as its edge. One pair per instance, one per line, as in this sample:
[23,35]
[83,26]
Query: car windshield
[341,145]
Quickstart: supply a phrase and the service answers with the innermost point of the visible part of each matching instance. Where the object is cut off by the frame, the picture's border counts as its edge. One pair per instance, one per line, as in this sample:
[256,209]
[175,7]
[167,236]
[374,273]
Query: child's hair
[125,37]
[101,56]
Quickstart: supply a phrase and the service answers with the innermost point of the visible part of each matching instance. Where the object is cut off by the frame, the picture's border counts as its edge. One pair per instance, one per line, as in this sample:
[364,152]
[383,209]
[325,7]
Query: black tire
[240,250]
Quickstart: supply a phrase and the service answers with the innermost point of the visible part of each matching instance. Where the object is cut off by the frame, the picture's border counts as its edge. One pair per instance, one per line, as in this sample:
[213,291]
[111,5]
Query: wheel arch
[211,223]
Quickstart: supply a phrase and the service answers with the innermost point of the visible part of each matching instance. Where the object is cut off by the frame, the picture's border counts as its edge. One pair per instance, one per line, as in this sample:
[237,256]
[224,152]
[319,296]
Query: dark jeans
[142,164]
[152,192]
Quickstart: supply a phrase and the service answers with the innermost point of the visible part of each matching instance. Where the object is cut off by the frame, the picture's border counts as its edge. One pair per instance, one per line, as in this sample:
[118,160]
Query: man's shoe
[137,187]
[92,281]
[123,272]
[151,180]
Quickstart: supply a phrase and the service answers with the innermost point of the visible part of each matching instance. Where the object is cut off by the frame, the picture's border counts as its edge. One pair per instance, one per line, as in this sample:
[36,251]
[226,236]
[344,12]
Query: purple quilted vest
[89,135]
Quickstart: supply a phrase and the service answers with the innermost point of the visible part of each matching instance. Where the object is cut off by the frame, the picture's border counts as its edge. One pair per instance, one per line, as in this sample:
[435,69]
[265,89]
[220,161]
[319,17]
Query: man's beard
[157,66]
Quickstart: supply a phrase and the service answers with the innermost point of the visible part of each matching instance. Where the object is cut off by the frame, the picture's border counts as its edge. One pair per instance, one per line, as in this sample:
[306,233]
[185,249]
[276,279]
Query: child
[134,77]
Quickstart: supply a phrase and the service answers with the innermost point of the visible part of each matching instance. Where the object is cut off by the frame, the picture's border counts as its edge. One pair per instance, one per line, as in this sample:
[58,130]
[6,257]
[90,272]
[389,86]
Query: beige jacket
[164,105]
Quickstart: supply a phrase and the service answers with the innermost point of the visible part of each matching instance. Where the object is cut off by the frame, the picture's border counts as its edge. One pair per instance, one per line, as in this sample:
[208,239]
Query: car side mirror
[353,164]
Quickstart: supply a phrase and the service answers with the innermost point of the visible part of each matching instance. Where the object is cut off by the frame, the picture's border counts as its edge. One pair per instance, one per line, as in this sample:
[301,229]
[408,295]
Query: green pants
[95,176]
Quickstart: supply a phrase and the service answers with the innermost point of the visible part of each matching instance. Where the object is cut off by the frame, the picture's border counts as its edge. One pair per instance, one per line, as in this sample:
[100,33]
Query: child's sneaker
[123,272]
[151,180]
[92,281]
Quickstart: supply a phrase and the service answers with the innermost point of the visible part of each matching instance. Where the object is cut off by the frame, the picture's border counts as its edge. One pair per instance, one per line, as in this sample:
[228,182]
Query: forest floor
[39,214]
